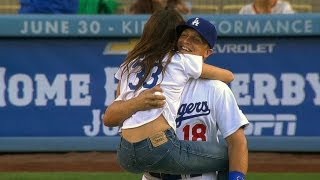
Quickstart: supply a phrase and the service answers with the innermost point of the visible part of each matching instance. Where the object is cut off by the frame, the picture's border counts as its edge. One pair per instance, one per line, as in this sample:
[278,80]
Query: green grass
[68,176]
[283,176]
[129,176]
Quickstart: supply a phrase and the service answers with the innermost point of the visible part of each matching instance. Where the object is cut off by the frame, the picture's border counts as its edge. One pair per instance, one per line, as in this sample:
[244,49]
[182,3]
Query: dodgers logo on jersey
[192,110]
[196,22]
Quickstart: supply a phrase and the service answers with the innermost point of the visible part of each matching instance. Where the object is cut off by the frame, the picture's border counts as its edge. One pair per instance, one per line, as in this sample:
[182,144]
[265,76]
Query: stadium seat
[12,8]
[302,8]
[205,9]
[232,8]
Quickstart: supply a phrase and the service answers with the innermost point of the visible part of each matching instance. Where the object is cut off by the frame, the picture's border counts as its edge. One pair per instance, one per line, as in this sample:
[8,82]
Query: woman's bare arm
[216,73]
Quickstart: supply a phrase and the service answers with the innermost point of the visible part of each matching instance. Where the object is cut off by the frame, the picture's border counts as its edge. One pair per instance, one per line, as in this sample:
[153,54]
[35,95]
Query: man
[267,7]
[207,105]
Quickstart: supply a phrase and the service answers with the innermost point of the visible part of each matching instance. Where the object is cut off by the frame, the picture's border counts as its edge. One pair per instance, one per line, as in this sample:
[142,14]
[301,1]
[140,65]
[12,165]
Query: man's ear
[208,53]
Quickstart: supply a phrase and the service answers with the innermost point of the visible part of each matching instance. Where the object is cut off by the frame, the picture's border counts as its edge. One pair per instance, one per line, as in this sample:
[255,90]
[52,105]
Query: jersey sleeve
[193,65]
[118,74]
[228,115]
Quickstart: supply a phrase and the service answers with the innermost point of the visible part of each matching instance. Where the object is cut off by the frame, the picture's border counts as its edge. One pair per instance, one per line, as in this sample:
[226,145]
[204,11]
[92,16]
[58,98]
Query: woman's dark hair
[157,41]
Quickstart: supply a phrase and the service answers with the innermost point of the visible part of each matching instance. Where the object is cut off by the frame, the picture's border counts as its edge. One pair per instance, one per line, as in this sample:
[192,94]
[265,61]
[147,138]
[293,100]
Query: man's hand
[150,99]
[119,111]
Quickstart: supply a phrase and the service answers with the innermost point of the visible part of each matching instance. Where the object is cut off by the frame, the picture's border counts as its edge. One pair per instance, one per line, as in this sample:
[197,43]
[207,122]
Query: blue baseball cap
[203,27]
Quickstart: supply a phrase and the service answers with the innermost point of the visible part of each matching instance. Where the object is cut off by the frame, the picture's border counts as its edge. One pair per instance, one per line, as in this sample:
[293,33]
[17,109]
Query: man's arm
[231,122]
[238,152]
[119,111]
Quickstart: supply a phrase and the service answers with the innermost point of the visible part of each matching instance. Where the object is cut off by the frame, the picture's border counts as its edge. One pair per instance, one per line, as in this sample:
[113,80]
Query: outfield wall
[56,78]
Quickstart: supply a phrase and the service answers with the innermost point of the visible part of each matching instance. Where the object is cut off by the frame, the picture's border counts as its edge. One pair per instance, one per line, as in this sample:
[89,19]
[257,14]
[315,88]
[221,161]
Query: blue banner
[132,26]
[55,87]
[61,87]
[277,83]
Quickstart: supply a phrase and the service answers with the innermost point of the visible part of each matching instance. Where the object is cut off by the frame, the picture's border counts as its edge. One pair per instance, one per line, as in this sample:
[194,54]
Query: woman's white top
[181,68]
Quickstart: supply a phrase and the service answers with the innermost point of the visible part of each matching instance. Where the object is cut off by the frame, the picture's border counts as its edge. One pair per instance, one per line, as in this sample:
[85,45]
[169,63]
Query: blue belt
[170,176]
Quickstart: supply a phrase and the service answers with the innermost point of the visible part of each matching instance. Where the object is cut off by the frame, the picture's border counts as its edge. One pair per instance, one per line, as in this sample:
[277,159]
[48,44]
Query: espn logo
[279,124]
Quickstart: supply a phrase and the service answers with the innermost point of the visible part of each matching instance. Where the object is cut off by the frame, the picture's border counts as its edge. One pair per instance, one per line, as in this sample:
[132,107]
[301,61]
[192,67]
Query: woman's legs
[172,157]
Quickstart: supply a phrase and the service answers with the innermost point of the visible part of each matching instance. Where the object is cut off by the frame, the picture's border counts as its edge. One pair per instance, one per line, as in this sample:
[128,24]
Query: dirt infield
[106,161]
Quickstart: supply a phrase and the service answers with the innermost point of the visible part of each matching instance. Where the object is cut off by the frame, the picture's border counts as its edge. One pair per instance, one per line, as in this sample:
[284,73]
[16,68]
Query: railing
[197,6]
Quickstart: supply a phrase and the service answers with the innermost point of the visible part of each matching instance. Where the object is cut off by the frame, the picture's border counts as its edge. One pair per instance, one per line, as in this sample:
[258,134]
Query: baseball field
[103,165]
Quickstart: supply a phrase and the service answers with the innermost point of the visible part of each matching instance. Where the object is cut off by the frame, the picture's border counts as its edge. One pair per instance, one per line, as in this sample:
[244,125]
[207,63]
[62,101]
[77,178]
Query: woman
[148,140]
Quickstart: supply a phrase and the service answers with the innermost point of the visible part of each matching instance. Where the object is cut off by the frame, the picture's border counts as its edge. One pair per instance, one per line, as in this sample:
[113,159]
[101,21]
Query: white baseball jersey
[181,68]
[206,107]
[281,7]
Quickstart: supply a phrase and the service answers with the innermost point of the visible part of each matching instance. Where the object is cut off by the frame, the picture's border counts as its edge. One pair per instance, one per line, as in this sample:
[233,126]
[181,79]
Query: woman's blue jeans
[173,157]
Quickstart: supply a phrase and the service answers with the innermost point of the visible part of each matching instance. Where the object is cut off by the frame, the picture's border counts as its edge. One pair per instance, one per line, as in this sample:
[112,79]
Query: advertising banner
[132,26]
[61,87]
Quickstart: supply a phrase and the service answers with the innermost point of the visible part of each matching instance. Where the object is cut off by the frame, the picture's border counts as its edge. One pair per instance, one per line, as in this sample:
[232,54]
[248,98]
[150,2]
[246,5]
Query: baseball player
[209,106]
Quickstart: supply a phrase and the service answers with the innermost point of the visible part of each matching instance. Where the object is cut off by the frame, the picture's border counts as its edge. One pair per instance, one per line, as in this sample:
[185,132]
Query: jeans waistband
[171,176]
[126,144]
